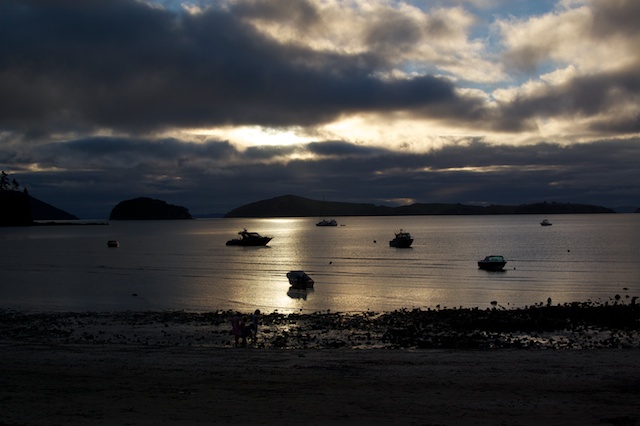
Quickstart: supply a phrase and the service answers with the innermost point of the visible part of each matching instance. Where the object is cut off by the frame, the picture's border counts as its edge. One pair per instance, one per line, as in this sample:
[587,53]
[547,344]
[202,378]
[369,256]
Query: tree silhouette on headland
[15,209]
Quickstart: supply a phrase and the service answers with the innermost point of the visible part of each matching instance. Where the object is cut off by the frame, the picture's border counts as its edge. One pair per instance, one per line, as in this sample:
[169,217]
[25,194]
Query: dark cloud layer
[121,64]
[214,177]
[126,66]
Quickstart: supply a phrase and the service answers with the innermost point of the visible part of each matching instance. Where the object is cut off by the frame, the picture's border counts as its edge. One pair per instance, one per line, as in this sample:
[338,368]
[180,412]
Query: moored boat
[325,222]
[249,239]
[492,263]
[300,280]
[402,240]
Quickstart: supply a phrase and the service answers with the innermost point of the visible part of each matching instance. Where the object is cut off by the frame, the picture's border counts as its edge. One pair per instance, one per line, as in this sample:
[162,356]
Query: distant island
[144,208]
[295,206]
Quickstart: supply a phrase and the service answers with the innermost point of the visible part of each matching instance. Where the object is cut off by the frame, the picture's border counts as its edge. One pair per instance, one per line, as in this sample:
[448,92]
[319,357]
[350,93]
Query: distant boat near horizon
[325,222]
[545,222]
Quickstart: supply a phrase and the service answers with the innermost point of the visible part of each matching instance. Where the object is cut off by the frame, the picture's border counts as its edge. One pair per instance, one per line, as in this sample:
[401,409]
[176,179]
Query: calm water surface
[186,264]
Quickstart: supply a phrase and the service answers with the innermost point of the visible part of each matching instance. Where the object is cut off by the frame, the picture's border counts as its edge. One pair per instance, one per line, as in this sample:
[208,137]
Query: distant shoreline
[53,223]
[295,206]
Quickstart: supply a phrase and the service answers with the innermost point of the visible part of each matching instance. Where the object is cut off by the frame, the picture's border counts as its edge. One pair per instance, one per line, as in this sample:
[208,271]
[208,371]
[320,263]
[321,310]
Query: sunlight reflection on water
[186,265]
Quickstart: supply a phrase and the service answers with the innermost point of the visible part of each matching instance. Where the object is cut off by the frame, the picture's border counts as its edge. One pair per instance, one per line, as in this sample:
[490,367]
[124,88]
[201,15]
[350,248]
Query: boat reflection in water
[296,293]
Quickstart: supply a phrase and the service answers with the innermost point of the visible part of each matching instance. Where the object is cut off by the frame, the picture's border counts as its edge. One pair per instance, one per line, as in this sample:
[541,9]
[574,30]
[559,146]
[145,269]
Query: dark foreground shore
[571,364]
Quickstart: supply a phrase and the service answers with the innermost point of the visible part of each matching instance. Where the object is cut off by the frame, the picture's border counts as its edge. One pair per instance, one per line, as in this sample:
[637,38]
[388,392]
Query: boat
[546,222]
[325,222]
[492,263]
[402,240]
[113,243]
[300,280]
[249,239]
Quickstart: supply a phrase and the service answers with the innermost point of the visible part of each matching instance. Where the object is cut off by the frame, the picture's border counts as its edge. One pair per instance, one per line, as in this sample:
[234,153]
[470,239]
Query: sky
[214,104]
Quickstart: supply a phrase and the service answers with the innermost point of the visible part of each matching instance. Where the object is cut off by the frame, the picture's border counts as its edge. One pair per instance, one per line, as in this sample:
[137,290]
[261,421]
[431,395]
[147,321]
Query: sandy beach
[182,368]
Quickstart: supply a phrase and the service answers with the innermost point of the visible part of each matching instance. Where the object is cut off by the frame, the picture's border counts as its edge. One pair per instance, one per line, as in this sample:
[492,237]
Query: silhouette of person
[255,319]
[236,328]
[245,330]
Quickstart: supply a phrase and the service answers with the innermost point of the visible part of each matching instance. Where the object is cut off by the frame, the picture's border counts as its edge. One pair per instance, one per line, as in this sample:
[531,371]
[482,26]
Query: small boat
[300,280]
[546,222]
[249,239]
[402,240]
[113,243]
[325,222]
[492,263]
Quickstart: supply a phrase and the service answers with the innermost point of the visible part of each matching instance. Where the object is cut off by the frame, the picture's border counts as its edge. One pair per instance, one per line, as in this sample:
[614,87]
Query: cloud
[594,36]
[459,101]
[125,66]
[216,177]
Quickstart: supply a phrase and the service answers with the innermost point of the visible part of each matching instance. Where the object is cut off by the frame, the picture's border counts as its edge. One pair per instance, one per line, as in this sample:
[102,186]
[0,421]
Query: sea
[186,266]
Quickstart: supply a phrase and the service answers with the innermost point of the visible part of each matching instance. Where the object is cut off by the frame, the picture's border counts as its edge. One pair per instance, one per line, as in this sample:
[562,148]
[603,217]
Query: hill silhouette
[18,208]
[296,206]
[144,208]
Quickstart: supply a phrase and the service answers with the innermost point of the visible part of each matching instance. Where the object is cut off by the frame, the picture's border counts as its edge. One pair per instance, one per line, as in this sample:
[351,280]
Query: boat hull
[401,243]
[249,243]
[491,266]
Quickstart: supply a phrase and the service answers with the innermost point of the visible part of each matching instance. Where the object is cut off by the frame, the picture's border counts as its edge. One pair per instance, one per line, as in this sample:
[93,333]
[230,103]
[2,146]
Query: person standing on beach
[255,319]
[236,328]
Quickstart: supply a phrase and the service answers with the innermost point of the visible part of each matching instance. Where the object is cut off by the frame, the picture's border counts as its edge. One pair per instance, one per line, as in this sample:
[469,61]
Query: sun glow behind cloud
[248,136]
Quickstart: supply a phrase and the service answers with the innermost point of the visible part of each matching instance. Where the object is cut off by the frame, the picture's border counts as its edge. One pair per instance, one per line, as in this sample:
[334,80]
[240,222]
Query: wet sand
[182,368]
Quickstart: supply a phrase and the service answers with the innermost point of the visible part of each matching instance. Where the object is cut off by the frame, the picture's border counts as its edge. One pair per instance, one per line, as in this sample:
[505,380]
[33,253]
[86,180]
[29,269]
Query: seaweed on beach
[574,325]
[580,325]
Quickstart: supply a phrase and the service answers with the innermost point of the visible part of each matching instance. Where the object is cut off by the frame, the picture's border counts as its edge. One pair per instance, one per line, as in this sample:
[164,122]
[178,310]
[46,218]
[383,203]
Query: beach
[325,368]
